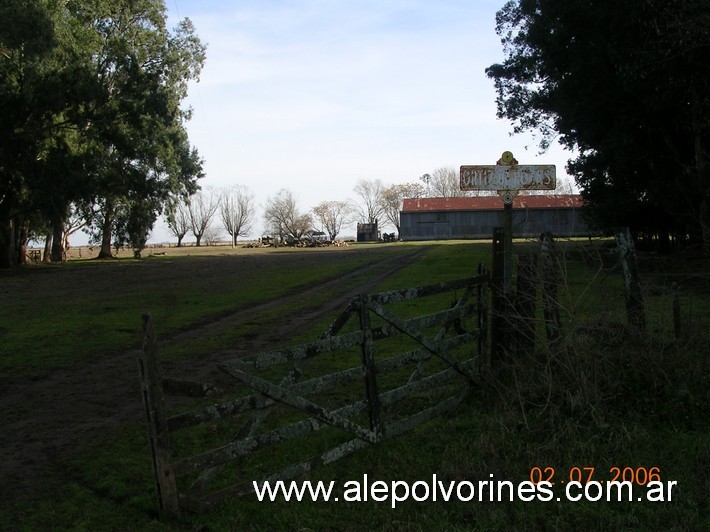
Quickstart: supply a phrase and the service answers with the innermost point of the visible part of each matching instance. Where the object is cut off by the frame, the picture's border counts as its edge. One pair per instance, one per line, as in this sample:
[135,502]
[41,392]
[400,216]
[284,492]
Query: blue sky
[314,95]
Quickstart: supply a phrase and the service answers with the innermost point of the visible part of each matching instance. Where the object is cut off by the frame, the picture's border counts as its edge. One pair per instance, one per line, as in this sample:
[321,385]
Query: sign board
[508,177]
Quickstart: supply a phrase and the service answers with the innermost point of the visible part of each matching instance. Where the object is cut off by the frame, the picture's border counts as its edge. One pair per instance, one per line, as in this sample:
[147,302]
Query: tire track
[45,421]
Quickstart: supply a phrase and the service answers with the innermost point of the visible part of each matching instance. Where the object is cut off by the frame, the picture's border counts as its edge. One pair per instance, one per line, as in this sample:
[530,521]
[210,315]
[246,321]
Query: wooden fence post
[158,435]
[550,281]
[484,353]
[368,362]
[635,313]
[526,296]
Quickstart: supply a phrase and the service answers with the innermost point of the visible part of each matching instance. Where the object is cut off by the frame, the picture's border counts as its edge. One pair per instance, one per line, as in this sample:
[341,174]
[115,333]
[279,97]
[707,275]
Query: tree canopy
[90,106]
[627,85]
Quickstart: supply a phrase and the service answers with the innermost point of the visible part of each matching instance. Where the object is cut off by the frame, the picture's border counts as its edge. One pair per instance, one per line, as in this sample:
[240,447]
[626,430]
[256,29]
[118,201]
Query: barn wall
[443,225]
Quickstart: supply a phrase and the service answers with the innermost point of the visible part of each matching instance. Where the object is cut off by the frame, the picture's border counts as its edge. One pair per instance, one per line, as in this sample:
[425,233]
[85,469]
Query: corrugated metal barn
[461,218]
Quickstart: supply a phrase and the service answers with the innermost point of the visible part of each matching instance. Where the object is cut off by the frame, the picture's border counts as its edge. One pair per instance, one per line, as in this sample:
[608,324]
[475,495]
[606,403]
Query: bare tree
[444,182]
[283,217]
[212,235]
[392,197]
[332,215]
[202,207]
[178,219]
[564,186]
[369,207]
[237,210]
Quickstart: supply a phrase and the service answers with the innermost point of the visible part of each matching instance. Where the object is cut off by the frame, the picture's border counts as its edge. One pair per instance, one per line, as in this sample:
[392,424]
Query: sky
[314,95]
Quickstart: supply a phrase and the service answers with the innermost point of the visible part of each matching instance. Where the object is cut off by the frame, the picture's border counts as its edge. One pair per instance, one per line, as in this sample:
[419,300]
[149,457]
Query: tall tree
[141,72]
[284,218]
[40,82]
[368,207]
[237,210]
[444,183]
[178,218]
[202,207]
[626,84]
[90,97]
[392,198]
[332,215]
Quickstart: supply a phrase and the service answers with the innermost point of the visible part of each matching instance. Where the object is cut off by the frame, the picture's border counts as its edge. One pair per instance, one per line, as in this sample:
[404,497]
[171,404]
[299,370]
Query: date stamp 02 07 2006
[583,477]
[638,475]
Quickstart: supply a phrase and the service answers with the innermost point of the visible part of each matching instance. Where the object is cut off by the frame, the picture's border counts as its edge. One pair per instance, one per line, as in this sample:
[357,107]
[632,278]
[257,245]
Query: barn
[462,218]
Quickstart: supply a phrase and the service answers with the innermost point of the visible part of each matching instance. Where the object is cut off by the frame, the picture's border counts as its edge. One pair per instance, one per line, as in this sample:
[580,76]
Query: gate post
[368,362]
[158,435]
[632,283]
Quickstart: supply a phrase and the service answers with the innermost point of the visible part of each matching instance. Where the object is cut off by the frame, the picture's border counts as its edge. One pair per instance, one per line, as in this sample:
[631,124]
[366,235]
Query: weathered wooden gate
[322,381]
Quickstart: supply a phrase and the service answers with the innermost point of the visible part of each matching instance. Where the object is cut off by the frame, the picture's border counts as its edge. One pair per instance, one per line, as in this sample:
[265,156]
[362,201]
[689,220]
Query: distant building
[368,232]
[462,218]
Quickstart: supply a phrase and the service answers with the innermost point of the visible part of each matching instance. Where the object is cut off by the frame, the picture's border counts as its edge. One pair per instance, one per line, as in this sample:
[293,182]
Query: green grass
[55,316]
[602,397]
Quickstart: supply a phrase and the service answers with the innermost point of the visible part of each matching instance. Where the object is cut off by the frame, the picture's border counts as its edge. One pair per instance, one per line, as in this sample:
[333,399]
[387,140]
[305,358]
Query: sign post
[507,178]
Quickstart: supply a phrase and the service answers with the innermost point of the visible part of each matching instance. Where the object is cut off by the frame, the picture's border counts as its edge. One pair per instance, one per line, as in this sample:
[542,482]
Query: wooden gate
[424,366]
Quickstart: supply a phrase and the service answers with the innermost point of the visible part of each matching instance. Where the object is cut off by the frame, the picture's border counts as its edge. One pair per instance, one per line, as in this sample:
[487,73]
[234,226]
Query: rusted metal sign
[508,177]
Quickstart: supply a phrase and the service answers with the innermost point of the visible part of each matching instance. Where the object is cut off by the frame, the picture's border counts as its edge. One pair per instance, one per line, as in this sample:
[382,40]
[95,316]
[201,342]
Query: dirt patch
[46,420]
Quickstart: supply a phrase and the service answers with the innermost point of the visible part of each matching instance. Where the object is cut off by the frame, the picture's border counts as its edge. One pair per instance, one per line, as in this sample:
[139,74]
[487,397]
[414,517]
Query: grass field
[74,451]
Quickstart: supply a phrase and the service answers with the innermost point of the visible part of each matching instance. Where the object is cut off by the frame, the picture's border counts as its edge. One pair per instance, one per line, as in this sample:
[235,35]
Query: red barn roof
[491,203]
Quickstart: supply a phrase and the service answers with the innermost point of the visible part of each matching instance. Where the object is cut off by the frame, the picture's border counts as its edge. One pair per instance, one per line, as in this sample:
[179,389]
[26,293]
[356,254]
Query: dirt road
[46,420]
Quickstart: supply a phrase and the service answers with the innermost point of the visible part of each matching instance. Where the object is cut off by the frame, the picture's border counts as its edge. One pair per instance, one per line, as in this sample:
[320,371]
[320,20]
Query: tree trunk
[198,238]
[22,230]
[58,242]
[180,237]
[105,252]
[7,244]
[47,256]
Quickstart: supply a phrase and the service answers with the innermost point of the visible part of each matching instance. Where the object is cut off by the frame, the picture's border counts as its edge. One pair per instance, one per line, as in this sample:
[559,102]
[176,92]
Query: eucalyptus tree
[90,95]
[41,82]
[57,237]
[136,132]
